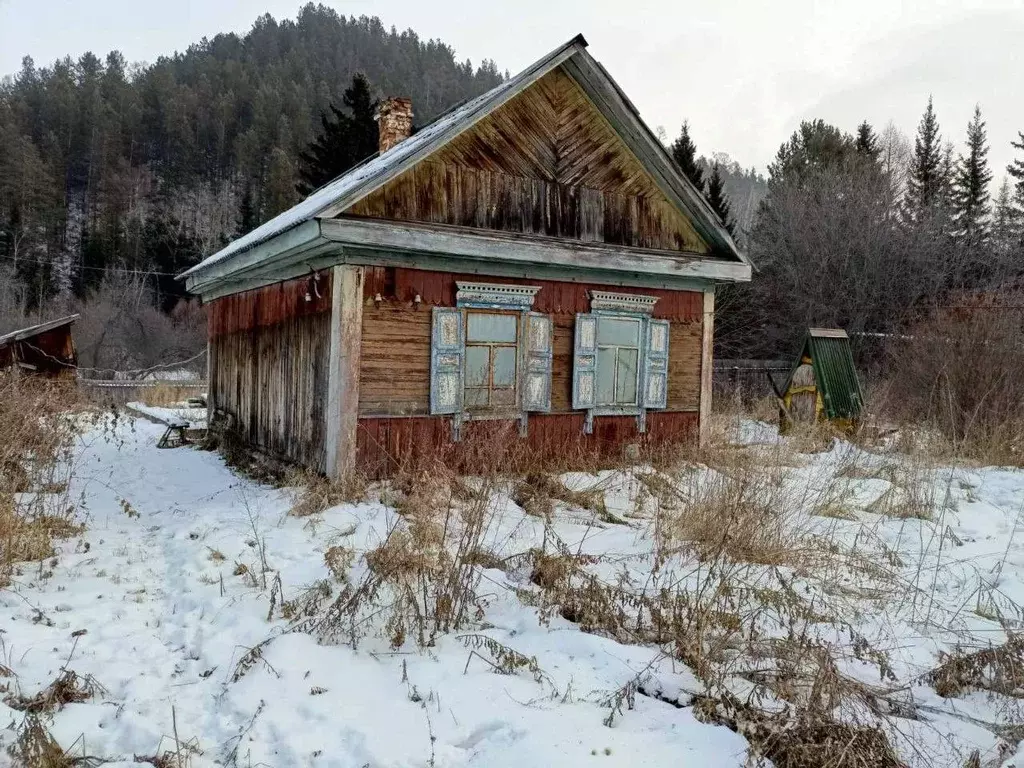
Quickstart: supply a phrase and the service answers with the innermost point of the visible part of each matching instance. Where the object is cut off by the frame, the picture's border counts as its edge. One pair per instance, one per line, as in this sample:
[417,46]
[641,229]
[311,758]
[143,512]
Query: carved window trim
[472,295]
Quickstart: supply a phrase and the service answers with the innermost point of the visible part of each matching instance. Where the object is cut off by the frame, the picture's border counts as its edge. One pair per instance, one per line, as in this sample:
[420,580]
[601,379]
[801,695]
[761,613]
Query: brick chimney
[394,119]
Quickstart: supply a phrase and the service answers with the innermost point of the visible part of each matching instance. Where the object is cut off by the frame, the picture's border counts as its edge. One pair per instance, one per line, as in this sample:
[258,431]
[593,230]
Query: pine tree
[926,178]
[719,202]
[970,193]
[867,142]
[684,152]
[347,139]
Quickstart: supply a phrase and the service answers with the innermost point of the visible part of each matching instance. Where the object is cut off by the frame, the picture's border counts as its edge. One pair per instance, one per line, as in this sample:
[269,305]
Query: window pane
[476,398]
[501,397]
[625,378]
[504,366]
[612,330]
[606,376]
[486,327]
[478,366]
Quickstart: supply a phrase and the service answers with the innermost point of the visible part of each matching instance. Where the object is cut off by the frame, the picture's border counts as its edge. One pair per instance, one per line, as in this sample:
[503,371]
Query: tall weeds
[39,421]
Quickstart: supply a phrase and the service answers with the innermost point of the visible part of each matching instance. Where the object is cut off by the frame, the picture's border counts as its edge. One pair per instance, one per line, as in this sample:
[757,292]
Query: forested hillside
[108,166]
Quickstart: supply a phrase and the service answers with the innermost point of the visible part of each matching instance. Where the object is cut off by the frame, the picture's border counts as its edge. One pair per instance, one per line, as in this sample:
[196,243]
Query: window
[620,360]
[618,357]
[492,351]
[490,355]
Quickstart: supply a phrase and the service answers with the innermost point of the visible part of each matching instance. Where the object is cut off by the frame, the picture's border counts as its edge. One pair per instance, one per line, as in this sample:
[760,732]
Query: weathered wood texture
[50,353]
[707,365]
[545,163]
[269,354]
[387,445]
[269,305]
[343,373]
[395,358]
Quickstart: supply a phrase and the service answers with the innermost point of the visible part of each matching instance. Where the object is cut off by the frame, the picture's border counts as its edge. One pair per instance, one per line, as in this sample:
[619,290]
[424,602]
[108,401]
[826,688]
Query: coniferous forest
[109,167]
[114,177]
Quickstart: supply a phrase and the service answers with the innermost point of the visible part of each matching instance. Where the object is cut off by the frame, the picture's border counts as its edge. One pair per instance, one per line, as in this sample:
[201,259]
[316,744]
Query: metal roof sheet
[834,371]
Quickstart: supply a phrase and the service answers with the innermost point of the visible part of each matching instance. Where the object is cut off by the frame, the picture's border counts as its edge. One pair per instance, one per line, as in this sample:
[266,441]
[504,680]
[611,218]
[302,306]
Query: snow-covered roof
[337,196]
[362,179]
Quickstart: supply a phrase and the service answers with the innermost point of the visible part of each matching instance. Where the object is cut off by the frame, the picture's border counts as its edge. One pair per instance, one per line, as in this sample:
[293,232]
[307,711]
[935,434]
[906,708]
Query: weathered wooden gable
[546,162]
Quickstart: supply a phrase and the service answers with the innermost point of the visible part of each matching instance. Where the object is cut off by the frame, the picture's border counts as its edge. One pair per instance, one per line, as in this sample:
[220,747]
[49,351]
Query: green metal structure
[839,394]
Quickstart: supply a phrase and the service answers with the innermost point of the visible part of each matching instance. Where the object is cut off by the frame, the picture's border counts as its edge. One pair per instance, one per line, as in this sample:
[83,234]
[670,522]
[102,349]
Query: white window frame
[652,357]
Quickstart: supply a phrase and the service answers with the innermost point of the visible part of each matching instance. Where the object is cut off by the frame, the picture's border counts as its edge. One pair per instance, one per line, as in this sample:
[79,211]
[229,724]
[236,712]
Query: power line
[21,259]
[134,372]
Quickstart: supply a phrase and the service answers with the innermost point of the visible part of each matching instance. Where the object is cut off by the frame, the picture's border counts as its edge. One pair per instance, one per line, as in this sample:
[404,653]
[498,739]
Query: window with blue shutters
[490,355]
[620,360]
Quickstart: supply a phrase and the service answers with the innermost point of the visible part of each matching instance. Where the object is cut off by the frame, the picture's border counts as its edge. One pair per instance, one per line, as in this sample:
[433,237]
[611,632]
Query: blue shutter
[655,392]
[447,353]
[584,364]
[536,379]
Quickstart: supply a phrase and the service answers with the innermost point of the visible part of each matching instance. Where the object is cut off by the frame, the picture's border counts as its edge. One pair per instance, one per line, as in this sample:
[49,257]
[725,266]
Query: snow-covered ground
[184,566]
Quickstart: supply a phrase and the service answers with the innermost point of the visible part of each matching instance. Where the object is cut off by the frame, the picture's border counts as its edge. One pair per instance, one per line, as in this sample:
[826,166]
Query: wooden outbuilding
[47,348]
[823,383]
[531,260]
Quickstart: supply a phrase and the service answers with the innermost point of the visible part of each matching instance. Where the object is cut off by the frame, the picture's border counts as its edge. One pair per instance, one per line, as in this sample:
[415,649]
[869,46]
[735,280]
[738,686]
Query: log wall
[395,428]
[395,363]
[269,353]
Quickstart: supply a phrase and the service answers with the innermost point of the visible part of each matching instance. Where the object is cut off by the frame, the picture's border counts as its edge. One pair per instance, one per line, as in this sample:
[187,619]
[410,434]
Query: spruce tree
[867,142]
[684,152]
[1016,171]
[719,202]
[926,179]
[970,192]
[1007,224]
[347,139]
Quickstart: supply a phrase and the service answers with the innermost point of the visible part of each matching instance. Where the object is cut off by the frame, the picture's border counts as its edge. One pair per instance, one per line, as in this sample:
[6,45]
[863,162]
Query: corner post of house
[706,365]
[343,373]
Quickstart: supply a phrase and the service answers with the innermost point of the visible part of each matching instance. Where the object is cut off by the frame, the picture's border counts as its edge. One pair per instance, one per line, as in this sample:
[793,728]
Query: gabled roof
[35,330]
[335,197]
[834,372]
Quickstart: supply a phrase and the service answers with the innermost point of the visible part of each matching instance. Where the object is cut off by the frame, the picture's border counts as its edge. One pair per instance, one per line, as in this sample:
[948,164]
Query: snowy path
[152,582]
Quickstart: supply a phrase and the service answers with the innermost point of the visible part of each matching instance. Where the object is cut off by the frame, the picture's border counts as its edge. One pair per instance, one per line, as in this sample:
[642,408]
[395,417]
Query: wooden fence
[748,379]
[119,392]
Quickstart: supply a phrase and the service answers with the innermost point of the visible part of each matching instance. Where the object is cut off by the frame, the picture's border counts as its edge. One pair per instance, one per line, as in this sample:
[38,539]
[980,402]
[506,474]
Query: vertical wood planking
[342,412]
[268,365]
[706,364]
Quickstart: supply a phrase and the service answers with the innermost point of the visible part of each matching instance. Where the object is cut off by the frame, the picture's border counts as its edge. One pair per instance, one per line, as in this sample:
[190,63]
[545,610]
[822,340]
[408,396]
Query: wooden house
[531,259]
[47,348]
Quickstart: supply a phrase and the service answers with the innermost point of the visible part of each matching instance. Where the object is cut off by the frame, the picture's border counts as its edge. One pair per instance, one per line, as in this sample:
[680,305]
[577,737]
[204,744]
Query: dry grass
[166,394]
[68,688]
[538,492]
[999,669]
[801,738]
[421,581]
[39,420]
[34,747]
[319,493]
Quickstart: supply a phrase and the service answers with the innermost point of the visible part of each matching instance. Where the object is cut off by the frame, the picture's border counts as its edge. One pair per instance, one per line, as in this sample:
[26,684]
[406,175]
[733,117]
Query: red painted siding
[270,305]
[554,298]
[385,445]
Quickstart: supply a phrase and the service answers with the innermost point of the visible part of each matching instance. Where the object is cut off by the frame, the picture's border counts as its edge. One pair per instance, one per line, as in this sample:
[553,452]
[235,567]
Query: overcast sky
[743,72]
